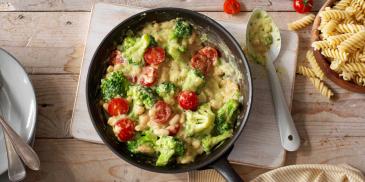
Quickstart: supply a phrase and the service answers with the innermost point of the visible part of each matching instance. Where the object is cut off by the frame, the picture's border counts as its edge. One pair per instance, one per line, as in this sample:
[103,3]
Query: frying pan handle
[225,169]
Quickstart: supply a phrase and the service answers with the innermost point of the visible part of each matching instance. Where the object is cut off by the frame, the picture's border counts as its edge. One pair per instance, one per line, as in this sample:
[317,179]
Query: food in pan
[169,93]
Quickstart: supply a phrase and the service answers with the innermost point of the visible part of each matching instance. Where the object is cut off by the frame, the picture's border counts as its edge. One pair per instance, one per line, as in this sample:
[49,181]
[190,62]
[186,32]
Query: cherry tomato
[201,63]
[118,106]
[126,129]
[174,129]
[163,112]
[210,52]
[188,100]
[154,55]
[231,6]
[148,76]
[302,6]
[116,57]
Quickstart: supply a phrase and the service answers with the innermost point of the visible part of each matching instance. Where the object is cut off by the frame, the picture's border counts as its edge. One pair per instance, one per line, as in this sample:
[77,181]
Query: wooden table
[48,37]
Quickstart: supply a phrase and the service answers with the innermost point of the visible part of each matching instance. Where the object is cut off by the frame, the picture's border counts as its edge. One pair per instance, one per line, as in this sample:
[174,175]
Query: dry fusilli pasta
[301,23]
[337,39]
[354,67]
[334,15]
[317,45]
[341,5]
[350,28]
[353,43]
[335,53]
[305,71]
[312,61]
[321,87]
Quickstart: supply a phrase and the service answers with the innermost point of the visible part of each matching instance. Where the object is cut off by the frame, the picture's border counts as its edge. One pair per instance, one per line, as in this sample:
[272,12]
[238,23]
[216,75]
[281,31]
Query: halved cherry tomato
[118,106]
[188,100]
[163,112]
[174,129]
[201,63]
[148,76]
[126,129]
[210,52]
[116,57]
[231,6]
[154,55]
[302,6]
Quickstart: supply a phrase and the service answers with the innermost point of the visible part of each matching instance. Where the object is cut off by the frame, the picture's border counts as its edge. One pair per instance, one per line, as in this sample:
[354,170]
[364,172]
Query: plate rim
[31,136]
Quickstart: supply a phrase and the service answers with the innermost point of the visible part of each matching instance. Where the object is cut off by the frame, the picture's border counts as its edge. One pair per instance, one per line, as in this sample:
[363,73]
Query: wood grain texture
[55,98]
[45,42]
[54,42]
[198,5]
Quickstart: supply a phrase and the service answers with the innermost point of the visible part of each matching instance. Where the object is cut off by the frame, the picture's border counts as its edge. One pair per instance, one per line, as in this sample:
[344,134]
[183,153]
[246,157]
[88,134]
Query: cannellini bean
[182,118]
[142,124]
[117,67]
[161,132]
[195,143]
[174,119]
[105,106]
[109,69]
[139,110]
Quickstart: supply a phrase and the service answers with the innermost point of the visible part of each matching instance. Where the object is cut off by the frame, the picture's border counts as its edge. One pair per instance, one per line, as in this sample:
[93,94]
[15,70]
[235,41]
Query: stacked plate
[17,102]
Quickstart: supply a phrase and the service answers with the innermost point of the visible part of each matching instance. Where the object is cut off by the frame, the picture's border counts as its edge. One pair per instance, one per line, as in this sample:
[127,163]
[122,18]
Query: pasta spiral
[347,75]
[316,69]
[317,45]
[350,28]
[354,67]
[301,23]
[334,15]
[330,27]
[321,87]
[359,80]
[336,65]
[341,5]
[356,41]
[335,53]
[305,71]
[337,39]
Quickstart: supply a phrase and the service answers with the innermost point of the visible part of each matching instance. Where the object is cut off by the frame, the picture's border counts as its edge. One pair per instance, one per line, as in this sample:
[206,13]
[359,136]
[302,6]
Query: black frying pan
[218,158]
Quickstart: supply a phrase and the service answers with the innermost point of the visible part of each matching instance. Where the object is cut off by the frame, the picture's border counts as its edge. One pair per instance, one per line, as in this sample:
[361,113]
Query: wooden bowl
[324,63]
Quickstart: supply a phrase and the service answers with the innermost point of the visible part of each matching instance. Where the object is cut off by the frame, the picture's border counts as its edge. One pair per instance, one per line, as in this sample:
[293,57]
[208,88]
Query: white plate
[17,102]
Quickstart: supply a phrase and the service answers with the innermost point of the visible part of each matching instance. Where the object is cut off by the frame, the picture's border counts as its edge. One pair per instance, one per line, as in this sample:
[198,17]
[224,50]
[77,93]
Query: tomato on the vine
[126,131]
[118,106]
[302,6]
[188,100]
[154,55]
[231,7]
[162,112]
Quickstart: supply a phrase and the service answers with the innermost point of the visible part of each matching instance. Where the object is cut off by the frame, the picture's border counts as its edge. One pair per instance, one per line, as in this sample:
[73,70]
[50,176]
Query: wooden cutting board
[259,144]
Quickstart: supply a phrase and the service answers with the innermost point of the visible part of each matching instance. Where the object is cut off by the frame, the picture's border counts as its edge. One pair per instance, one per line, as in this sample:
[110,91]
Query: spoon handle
[16,170]
[25,152]
[288,133]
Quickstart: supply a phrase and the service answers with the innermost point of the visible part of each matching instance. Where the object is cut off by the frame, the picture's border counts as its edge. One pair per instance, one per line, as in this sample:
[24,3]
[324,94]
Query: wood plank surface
[54,42]
[198,5]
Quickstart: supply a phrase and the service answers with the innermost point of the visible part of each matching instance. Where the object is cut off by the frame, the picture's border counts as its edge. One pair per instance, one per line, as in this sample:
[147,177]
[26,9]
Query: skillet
[217,159]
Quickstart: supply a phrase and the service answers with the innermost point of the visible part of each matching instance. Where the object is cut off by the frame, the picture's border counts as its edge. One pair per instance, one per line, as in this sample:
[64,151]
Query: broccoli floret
[182,29]
[167,91]
[168,146]
[142,95]
[225,116]
[153,41]
[199,122]
[114,84]
[175,49]
[209,141]
[134,53]
[194,81]
[128,42]
[143,143]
